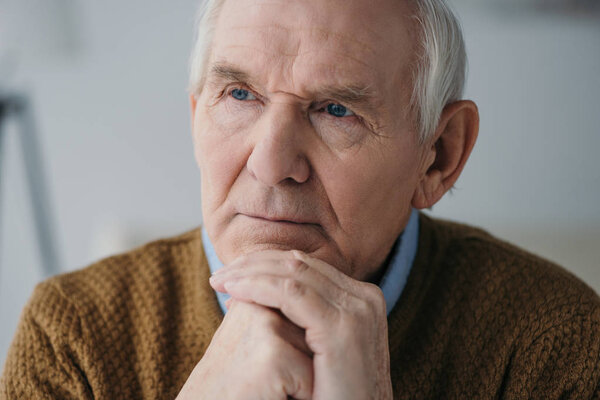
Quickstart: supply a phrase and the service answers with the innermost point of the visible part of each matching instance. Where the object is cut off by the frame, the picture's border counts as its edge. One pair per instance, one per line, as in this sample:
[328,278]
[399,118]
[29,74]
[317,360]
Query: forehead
[297,46]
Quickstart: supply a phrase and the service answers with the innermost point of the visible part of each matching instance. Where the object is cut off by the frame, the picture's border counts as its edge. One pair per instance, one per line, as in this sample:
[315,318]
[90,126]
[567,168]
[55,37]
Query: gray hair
[439,73]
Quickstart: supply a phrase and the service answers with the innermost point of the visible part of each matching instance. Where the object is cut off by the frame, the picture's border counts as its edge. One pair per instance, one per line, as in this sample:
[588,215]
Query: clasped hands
[296,327]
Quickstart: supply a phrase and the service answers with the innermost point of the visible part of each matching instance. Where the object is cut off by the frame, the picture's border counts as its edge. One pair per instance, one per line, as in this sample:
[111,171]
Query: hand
[255,354]
[344,319]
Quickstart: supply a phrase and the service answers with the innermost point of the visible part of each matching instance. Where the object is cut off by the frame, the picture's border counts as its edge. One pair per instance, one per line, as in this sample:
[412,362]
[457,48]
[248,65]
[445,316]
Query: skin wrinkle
[409,21]
[286,178]
[320,62]
[313,177]
[295,55]
[376,127]
[359,97]
[331,209]
[325,34]
[326,66]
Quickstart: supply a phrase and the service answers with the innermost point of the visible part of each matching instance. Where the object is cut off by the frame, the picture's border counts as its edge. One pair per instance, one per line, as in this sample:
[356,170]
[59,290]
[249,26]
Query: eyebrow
[229,73]
[360,97]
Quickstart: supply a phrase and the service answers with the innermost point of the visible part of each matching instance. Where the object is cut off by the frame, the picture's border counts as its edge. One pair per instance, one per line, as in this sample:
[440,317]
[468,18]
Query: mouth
[283,232]
[283,220]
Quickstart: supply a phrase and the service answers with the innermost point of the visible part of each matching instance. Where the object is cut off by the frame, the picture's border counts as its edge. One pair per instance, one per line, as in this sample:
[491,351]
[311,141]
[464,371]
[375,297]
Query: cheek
[366,192]
[230,117]
[338,134]
[220,154]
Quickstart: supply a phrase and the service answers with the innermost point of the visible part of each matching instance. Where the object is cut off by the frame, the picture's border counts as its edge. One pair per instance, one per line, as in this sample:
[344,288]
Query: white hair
[441,70]
[439,73]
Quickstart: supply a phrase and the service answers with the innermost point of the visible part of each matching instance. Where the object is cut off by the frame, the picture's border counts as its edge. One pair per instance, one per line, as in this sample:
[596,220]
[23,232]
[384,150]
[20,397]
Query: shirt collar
[393,281]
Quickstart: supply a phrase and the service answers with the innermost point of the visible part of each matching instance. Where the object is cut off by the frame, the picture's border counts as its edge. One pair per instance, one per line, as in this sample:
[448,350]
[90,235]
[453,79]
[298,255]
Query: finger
[299,376]
[228,303]
[294,335]
[346,283]
[264,257]
[285,265]
[269,260]
[300,303]
[286,330]
[324,268]
[270,340]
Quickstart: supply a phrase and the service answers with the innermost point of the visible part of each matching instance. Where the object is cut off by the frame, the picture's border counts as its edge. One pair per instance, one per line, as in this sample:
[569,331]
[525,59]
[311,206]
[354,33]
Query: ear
[193,102]
[446,154]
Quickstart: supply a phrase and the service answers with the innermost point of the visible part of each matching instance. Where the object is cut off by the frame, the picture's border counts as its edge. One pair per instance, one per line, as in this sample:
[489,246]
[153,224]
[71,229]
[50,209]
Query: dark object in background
[18,107]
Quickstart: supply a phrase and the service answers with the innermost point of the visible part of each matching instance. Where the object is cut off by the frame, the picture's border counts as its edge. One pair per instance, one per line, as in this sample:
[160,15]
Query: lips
[282,218]
[279,206]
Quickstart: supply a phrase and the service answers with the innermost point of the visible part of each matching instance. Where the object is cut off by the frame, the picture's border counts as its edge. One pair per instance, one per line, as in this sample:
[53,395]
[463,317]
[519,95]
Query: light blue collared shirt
[393,281]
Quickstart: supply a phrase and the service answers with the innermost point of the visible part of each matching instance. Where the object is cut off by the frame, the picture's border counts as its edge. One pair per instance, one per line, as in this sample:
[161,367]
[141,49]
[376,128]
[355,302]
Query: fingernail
[297,254]
[216,278]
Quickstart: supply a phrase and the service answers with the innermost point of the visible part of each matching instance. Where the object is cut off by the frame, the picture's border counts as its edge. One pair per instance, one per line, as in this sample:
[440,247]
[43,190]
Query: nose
[279,148]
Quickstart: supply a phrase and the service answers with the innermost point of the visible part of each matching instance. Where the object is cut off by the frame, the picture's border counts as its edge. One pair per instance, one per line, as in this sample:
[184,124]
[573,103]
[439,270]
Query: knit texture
[478,319]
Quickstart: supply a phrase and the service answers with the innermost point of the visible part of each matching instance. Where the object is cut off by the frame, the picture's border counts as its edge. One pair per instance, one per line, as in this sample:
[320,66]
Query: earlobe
[193,102]
[429,190]
[452,145]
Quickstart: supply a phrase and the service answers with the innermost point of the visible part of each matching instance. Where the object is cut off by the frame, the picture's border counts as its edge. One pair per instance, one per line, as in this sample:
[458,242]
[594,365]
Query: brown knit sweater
[478,319]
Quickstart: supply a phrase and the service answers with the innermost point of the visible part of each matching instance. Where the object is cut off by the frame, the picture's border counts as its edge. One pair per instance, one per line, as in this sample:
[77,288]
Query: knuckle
[374,296]
[291,372]
[293,288]
[243,259]
[345,300]
[363,309]
[296,267]
[352,311]
[272,350]
[379,300]
[268,350]
[349,324]
[370,289]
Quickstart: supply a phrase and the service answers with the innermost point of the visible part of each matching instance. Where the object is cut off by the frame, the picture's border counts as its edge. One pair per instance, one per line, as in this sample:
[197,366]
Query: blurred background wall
[107,84]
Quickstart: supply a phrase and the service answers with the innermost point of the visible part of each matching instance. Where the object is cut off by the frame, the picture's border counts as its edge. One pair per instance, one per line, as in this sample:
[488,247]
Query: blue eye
[242,95]
[338,110]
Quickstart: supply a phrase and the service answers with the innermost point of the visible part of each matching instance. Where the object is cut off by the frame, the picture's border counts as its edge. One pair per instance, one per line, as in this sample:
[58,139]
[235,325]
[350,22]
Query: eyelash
[228,92]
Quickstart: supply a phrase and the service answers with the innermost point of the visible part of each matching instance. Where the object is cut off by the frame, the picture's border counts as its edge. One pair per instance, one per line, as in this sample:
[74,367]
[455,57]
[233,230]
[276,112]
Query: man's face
[303,131]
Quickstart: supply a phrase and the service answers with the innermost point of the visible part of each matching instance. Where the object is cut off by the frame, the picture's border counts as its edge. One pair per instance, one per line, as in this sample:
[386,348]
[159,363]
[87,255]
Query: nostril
[302,170]
[272,162]
[279,148]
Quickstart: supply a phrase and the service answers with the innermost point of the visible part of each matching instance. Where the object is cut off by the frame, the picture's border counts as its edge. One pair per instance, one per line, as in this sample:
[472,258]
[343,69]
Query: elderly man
[319,128]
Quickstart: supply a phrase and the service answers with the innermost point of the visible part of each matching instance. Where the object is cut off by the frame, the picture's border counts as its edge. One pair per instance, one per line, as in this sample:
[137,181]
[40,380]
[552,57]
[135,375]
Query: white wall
[114,123]
[533,177]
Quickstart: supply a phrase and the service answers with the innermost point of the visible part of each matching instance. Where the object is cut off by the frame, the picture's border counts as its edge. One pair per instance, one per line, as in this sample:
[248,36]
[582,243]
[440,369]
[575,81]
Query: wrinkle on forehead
[357,22]
[320,34]
[293,46]
[326,78]
[297,54]
[395,10]
[309,65]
